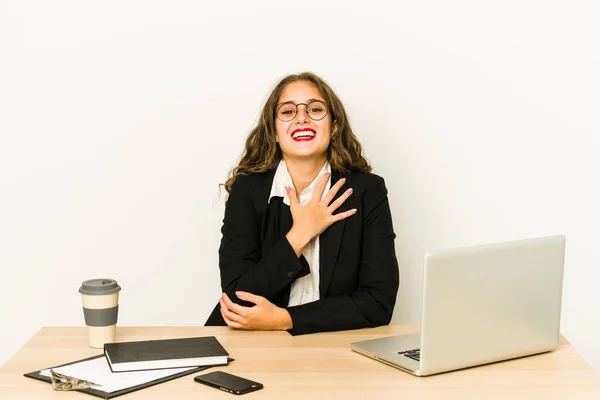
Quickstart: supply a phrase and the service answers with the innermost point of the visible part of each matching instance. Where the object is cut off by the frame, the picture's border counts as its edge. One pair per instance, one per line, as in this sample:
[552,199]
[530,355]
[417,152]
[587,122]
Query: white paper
[98,372]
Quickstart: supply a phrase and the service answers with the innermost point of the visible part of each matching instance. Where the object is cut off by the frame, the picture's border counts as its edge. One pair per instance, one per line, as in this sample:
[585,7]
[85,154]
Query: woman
[308,242]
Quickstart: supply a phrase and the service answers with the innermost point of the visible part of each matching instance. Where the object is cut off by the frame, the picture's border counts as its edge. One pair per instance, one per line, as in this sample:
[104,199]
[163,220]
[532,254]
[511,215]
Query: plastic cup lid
[99,286]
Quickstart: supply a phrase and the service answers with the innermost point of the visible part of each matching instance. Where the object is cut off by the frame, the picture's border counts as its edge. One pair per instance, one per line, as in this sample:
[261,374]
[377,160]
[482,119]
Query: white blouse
[306,289]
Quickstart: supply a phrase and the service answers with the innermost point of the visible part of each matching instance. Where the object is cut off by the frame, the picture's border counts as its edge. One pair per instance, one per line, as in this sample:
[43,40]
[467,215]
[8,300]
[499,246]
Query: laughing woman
[308,241]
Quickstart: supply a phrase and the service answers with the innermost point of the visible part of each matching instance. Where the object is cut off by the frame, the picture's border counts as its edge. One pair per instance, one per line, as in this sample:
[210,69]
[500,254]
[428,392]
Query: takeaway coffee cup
[100,298]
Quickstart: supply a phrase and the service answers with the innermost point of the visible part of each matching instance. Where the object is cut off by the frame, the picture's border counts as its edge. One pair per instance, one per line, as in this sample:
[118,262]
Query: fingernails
[350,191]
[239,294]
[328,175]
[353,211]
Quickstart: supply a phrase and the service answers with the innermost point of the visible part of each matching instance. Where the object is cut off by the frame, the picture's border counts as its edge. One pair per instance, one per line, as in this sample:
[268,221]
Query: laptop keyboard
[415,354]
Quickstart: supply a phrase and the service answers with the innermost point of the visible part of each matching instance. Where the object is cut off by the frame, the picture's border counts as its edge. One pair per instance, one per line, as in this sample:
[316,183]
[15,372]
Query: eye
[315,109]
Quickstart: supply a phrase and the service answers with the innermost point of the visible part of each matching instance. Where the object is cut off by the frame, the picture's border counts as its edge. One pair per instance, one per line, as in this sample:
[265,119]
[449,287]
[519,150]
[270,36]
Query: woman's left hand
[264,315]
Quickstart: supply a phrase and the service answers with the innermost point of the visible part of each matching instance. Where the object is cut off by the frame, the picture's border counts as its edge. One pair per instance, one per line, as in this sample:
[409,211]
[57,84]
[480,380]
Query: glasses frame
[301,104]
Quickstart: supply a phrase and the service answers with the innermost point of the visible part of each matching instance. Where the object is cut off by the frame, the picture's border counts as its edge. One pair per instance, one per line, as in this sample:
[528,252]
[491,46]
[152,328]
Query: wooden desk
[310,367]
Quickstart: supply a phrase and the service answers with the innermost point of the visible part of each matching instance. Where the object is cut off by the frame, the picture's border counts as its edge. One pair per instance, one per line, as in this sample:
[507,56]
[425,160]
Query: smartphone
[228,383]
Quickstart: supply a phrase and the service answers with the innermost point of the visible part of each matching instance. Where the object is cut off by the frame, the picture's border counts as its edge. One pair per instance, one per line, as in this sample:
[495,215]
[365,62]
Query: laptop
[481,304]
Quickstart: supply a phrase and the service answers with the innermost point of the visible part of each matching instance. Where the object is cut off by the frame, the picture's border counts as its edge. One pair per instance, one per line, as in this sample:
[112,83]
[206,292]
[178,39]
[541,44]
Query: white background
[118,120]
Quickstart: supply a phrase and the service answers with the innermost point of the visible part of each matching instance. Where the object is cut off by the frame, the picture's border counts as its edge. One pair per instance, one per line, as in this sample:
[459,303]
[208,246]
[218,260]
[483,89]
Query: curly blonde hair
[262,152]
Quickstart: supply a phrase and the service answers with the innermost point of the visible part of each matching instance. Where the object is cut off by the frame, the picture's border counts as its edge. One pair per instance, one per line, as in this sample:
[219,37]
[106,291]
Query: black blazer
[358,267]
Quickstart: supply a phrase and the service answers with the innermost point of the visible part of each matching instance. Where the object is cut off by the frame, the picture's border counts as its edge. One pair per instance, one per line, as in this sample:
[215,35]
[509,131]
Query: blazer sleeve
[240,262]
[372,304]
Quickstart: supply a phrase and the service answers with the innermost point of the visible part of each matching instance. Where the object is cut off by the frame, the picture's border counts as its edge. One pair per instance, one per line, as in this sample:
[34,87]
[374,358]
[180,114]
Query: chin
[305,156]
[312,152]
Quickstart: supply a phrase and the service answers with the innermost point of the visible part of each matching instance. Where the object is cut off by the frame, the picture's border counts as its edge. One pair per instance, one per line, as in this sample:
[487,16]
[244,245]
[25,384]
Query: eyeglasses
[316,110]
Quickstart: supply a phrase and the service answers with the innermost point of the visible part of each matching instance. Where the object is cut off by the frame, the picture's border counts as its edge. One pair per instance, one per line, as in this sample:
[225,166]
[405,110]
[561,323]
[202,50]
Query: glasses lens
[316,110]
[286,112]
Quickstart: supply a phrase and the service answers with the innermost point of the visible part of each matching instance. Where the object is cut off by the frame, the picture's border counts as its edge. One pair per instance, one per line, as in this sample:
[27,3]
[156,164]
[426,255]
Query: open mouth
[303,135]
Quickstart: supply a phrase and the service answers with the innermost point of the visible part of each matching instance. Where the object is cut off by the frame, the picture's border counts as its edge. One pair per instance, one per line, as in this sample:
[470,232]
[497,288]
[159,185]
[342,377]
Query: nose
[302,115]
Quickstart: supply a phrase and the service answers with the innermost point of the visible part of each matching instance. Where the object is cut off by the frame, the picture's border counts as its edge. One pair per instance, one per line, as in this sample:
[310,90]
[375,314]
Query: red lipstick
[304,134]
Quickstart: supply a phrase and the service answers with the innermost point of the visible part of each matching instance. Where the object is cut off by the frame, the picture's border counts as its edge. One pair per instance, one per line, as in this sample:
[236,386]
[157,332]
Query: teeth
[303,134]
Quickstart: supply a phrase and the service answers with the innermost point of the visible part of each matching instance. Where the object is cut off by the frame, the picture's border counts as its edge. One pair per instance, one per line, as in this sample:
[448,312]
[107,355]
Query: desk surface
[310,367]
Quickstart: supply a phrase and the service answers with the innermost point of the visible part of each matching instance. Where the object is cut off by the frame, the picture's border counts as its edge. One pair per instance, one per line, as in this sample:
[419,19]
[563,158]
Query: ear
[334,127]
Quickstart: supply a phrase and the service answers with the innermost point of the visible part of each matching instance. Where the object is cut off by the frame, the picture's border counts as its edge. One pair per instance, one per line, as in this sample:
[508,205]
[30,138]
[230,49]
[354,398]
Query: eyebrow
[293,102]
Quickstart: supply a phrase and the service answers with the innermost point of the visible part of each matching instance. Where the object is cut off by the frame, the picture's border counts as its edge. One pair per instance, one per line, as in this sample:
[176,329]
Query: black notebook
[167,353]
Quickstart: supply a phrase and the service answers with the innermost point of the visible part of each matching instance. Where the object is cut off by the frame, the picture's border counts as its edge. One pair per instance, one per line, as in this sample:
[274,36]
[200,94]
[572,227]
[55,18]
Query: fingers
[236,308]
[291,193]
[333,191]
[252,298]
[318,193]
[229,314]
[229,322]
[340,200]
[234,314]
[343,215]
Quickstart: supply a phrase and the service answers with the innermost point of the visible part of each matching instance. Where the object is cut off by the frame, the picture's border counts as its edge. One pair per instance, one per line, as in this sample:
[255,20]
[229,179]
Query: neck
[303,172]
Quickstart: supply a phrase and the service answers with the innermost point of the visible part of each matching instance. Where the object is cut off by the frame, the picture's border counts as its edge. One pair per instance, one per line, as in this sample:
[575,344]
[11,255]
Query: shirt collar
[282,179]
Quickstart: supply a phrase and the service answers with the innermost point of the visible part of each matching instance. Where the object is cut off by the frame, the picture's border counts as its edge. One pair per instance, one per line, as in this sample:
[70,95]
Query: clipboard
[109,395]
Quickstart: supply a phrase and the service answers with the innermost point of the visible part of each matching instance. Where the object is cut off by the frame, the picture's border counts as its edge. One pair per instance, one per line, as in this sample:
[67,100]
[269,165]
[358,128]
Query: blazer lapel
[265,188]
[330,240]
[270,211]
[276,222]
[282,217]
